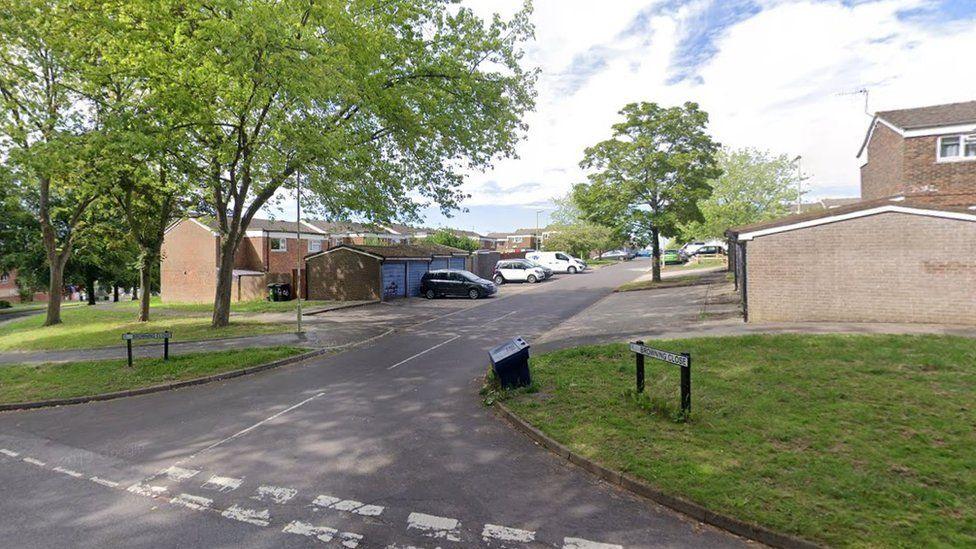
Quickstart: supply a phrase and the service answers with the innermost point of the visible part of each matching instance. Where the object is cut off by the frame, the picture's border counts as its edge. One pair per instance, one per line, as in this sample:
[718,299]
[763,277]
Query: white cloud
[774,82]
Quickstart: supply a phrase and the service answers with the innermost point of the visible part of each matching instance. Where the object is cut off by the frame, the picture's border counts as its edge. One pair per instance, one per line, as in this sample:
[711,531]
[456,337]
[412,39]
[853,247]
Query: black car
[455,282]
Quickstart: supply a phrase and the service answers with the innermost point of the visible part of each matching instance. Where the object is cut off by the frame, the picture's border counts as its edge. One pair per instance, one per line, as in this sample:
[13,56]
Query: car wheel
[531,279]
[572,270]
[430,294]
[499,279]
[474,294]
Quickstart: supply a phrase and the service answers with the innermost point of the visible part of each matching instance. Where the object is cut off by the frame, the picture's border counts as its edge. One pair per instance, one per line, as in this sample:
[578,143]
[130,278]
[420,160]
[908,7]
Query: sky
[777,75]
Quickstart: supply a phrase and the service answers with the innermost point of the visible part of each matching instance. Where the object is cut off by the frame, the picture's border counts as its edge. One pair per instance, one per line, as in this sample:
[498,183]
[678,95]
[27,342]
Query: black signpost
[128,337]
[682,360]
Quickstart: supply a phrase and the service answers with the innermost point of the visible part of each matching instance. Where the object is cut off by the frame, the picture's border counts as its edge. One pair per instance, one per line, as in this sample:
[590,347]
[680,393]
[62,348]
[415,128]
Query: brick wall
[189,267]
[250,254]
[889,267]
[8,286]
[923,172]
[344,275]
[882,175]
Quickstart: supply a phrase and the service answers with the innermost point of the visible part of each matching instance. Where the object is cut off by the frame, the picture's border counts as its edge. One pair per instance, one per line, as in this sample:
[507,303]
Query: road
[386,445]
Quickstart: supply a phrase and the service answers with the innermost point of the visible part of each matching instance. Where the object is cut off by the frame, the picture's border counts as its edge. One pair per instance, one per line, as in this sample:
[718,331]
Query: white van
[560,262]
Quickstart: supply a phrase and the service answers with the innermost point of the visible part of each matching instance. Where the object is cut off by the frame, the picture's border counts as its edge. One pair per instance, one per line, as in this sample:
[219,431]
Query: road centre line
[423,352]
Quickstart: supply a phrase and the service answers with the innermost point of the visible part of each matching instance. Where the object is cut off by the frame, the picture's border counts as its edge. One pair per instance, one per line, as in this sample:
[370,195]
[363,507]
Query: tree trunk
[225,283]
[90,289]
[135,291]
[115,293]
[55,285]
[145,279]
[655,255]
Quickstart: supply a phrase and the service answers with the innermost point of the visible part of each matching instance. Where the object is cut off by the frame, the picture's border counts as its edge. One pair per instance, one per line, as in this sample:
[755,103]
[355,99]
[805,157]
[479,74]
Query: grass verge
[244,307]
[703,263]
[103,325]
[863,441]
[672,282]
[31,382]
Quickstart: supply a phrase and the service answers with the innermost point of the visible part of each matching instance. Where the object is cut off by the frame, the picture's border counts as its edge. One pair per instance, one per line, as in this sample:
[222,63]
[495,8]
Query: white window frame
[283,241]
[962,148]
[317,243]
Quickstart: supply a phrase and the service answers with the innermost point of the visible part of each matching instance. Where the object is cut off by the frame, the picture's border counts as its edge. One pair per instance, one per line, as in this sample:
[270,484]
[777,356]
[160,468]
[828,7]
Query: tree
[754,186]
[580,238]
[381,107]
[649,177]
[447,237]
[47,135]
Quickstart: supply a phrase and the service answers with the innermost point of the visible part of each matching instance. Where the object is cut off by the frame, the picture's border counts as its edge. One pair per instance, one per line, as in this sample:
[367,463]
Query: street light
[799,183]
[298,231]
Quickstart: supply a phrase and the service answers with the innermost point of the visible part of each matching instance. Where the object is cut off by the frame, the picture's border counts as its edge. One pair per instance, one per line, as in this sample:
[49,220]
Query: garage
[350,272]
[889,260]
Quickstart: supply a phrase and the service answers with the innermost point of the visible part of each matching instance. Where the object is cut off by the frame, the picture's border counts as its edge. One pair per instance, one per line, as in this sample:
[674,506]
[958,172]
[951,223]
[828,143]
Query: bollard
[640,370]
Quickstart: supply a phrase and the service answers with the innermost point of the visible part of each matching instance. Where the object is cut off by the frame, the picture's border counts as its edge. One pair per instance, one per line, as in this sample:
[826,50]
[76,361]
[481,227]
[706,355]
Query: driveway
[386,445]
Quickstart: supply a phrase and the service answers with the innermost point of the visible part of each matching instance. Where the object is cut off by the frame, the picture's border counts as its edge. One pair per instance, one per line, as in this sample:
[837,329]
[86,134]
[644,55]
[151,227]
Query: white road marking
[33,461]
[322,533]
[274,494]
[250,516]
[190,501]
[352,506]
[504,316]
[178,474]
[434,526]
[504,533]
[423,352]
[578,543]
[350,539]
[147,490]
[104,482]
[222,484]
[68,472]
[8,453]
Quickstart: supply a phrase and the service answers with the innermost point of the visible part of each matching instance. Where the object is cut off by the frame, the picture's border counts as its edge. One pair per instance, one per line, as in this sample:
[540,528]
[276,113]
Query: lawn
[864,441]
[244,307]
[34,306]
[103,325]
[703,263]
[671,282]
[30,382]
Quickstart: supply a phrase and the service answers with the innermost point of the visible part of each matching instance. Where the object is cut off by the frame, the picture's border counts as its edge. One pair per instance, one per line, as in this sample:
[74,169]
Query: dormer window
[957,147]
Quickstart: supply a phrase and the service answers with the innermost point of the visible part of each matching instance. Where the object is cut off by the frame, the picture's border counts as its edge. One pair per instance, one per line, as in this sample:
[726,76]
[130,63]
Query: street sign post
[128,337]
[682,360]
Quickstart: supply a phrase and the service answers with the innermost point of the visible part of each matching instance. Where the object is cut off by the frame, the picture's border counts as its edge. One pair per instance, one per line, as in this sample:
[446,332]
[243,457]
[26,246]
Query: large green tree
[447,237]
[580,238]
[649,177]
[381,107]
[754,186]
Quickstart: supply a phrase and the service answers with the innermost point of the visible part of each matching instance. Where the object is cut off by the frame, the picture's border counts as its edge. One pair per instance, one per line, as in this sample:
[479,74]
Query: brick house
[8,287]
[270,251]
[519,241]
[905,253]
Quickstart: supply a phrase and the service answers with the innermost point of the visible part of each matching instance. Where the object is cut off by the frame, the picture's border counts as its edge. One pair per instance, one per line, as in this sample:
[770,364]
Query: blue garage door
[457,263]
[439,263]
[415,271]
[394,279]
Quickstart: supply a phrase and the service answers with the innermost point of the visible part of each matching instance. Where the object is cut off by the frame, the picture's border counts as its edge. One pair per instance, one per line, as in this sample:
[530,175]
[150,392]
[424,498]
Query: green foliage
[4,304]
[649,177]
[446,237]
[754,186]
[580,238]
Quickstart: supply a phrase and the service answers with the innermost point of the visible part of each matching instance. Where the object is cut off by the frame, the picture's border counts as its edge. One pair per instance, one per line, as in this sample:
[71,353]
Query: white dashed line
[250,516]
[434,526]
[8,453]
[190,501]
[323,533]
[349,505]
[504,533]
[274,494]
[147,490]
[33,461]
[222,484]
[178,474]
[105,482]
[577,543]
[404,361]
[68,472]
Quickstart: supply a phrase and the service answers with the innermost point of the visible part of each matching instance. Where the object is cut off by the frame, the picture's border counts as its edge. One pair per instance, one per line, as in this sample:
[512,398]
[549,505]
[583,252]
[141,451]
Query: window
[562,257]
[5,277]
[957,147]
[314,246]
[278,245]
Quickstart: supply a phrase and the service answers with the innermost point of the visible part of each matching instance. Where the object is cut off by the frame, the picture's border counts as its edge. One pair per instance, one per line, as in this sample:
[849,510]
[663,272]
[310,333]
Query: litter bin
[285,291]
[510,361]
[274,292]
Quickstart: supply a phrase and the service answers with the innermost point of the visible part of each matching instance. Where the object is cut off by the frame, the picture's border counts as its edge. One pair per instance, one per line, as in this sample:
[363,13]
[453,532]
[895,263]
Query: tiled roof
[933,116]
[348,227]
[399,251]
[960,203]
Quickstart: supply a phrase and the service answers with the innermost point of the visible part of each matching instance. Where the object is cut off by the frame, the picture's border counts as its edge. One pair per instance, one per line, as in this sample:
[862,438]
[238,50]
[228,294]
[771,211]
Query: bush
[5,304]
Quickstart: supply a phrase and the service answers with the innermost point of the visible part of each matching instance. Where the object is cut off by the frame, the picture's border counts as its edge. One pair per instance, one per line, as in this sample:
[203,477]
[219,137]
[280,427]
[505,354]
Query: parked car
[619,255]
[455,282]
[643,253]
[545,270]
[709,250]
[560,262]
[517,270]
[672,257]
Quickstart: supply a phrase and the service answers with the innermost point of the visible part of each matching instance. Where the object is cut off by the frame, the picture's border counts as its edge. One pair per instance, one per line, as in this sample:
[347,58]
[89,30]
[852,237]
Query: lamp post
[538,236]
[298,231]
[799,183]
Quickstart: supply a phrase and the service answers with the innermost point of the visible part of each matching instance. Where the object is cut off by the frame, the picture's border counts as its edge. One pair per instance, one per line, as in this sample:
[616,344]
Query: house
[10,292]
[906,252]
[519,241]
[271,251]
[353,272]
[348,232]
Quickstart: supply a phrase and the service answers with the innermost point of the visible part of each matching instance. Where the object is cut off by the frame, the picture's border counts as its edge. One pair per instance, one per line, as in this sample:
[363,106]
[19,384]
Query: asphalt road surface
[387,445]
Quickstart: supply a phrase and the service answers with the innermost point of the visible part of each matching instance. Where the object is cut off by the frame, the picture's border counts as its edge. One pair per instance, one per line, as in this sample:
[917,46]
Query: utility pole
[799,184]
[298,231]
[538,235]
